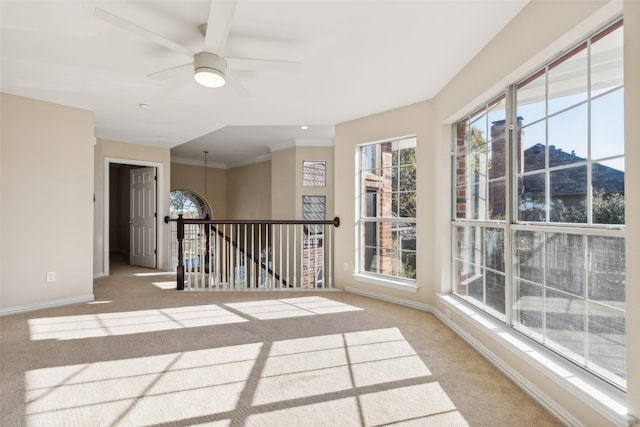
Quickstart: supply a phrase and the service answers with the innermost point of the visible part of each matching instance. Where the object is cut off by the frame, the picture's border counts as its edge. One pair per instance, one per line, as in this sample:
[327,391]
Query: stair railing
[244,254]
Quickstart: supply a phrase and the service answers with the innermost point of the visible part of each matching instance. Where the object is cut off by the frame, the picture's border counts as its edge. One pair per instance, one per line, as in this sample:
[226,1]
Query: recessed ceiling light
[304,127]
[144,106]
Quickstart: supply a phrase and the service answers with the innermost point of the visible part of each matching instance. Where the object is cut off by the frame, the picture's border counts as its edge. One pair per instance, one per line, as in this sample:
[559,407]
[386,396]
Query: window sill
[399,284]
[593,392]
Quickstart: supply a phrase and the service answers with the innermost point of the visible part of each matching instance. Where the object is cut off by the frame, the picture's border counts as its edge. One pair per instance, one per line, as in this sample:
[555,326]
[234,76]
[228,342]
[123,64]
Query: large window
[538,217]
[387,209]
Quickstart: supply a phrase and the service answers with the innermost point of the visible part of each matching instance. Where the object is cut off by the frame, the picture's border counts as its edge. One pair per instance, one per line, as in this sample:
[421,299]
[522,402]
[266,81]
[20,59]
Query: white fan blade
[219,25]
[250,64]
[133,28]
[171,72]
[237,85]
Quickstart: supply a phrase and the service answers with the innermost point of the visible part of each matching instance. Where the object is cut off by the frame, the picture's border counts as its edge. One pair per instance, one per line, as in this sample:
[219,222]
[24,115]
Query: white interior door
[142,222]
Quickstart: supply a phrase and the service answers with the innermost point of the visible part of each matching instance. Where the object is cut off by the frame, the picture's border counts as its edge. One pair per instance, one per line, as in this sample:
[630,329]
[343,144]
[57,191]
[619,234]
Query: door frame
[159,204]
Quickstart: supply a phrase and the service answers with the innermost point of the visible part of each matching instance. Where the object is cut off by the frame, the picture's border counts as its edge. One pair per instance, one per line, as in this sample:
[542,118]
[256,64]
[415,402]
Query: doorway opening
[132,231]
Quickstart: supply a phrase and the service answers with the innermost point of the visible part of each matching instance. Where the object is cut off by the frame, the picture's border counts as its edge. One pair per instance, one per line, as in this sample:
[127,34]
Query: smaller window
[189,204]
[313,209]
[314,173]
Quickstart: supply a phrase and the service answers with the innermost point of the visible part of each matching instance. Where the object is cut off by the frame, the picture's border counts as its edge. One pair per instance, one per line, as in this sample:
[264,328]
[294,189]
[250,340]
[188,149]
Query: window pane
[408,153]
[531,147]
[531,198]
[467,276]
[567,83]
[568,188]
[494,248]
[529,308]
[607,125]
[468,245]
[565,327]
[607,270]
[406,245]
[568,137]
[531,98]
[528,248]
[564,262]
[607,337]
[608,192]
[497,200]
[495,298]
[606,62]
[370,204]
[461,133]
[407,175]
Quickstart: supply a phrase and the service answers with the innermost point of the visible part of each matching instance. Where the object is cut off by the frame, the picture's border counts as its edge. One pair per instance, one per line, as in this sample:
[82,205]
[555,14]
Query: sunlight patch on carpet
[364,378]
[291,307]
[129,322]
[305,367]
[140,391]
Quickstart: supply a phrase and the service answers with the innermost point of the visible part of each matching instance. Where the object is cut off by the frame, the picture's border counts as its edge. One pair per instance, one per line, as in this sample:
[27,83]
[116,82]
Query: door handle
[130,221]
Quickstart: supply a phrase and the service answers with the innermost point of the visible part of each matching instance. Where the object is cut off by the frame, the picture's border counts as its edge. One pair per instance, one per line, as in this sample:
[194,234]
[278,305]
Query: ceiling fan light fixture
[209,69]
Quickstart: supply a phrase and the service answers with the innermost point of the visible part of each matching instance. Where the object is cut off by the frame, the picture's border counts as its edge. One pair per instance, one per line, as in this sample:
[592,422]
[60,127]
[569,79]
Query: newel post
[180,268]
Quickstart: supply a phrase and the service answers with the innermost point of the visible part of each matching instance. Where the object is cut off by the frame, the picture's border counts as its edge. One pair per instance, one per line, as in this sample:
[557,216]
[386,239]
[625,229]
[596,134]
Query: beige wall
[122,152]
[189,177]
[286,181]
[283,183]
[47,198]
[249,191]
[513,53]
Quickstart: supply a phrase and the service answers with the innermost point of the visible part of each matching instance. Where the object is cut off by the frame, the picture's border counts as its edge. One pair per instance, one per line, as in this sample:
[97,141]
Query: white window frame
[390,281]
[512,225]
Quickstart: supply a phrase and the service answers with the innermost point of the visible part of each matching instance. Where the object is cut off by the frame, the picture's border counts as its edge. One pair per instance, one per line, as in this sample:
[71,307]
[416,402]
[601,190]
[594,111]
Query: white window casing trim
[592,392]
[387,282]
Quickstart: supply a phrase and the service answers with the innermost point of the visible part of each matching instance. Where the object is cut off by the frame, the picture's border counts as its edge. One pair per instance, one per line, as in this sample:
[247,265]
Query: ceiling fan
[209,65]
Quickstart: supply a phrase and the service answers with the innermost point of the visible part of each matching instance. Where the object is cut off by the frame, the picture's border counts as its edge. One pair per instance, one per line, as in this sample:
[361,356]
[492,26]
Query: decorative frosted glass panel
[314,173]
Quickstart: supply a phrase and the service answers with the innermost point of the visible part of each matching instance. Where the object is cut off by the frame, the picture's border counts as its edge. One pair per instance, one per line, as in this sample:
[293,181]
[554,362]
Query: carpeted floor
[143,354]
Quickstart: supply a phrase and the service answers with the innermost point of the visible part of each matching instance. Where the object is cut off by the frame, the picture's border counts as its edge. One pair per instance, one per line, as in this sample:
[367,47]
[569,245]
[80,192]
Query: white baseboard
[547,403]
[47,304]
[388,298]
[99,275]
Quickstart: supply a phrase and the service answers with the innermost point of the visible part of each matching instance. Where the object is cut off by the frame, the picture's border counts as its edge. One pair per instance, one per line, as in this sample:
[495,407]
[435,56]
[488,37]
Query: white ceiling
[357,58]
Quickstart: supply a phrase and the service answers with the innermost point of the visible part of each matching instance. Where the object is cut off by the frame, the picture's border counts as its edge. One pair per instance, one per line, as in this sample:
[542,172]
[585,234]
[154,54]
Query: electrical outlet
[447,312]
[51,276]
